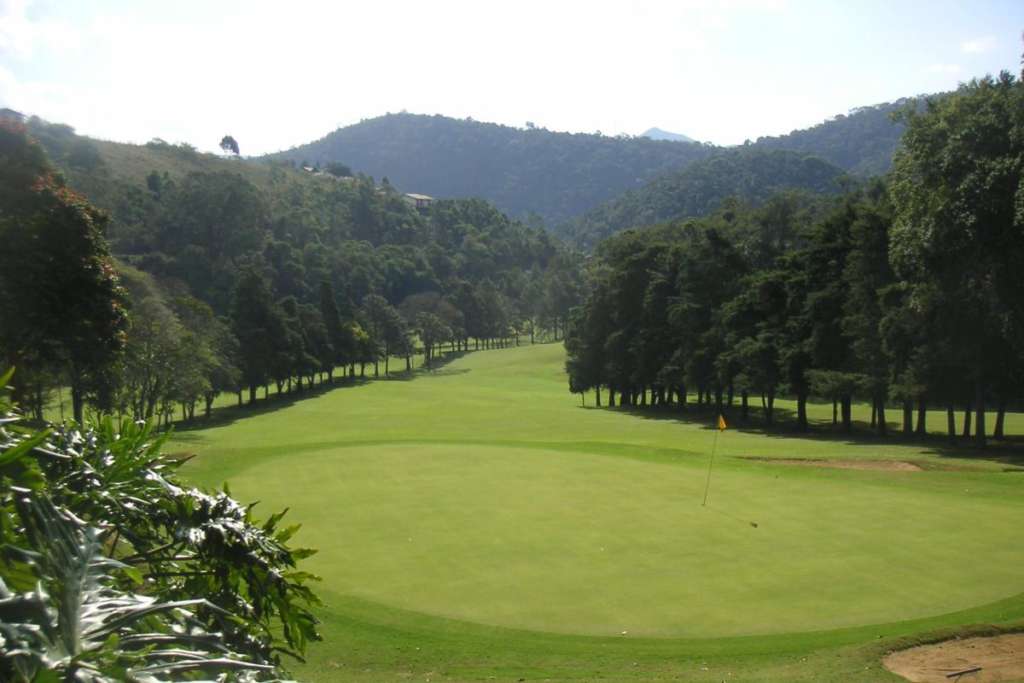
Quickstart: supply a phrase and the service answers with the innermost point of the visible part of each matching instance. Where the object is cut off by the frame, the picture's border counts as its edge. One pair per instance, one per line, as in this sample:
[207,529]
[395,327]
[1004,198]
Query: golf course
[476,522]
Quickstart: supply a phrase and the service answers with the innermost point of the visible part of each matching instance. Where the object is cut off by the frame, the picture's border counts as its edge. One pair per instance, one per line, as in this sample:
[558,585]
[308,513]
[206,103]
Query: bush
[112,570]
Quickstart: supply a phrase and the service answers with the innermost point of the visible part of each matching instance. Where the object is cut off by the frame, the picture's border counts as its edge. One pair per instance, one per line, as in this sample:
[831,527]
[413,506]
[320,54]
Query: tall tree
[958,183]
[229,144]
[61,301]
[259,326]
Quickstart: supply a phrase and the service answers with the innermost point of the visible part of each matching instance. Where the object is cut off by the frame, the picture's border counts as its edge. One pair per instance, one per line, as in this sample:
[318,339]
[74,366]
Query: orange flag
[721,424]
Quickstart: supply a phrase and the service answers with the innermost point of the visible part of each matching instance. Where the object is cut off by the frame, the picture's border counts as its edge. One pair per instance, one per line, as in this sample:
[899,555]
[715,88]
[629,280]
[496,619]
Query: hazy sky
[277,74]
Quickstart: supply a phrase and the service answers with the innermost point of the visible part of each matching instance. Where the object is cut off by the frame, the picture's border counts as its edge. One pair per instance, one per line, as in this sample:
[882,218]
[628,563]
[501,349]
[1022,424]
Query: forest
[219,275]
[905,291]
[749,173]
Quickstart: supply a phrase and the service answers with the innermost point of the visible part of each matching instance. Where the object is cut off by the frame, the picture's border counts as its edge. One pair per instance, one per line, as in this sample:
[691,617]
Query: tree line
[905,291]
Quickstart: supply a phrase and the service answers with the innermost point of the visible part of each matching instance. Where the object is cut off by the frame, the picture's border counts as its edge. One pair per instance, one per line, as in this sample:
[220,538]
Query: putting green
[582,543]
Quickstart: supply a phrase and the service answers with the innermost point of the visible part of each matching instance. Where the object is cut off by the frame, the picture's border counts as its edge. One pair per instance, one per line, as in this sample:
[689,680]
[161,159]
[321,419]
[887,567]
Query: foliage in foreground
[110,570]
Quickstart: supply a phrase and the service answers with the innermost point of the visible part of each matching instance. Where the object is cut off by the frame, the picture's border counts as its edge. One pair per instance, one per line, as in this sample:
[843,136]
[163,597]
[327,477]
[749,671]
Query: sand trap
[1001,658]
[881,465]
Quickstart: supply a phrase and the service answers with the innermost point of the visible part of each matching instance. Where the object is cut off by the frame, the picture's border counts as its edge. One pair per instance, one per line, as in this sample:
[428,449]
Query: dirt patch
[1001,658]
[880,465]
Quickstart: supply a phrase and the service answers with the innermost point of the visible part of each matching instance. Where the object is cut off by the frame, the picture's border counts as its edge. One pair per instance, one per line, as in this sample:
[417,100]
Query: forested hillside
[560,176]
[862,142]
[523,171]
[242,273]
[749,173]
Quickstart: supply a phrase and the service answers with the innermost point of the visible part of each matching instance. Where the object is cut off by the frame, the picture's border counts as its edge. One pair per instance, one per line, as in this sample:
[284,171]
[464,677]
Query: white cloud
[978,45]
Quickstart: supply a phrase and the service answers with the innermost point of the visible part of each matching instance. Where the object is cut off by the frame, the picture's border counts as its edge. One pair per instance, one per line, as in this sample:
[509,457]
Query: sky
[279,74]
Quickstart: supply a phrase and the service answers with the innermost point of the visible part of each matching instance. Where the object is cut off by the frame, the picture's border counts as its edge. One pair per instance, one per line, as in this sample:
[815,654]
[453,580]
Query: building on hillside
[422,202]
[11,115]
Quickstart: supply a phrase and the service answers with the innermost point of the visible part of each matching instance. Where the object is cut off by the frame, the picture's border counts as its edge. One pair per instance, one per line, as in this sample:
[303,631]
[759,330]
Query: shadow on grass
[1007,451]
[227,415]
[438,368]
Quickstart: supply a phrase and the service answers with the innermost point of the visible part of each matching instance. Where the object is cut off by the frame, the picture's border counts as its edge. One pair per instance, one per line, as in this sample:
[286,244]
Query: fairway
[484,496]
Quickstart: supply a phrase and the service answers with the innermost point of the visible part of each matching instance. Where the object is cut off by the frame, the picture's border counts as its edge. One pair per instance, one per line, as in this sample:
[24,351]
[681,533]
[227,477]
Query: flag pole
[714,446]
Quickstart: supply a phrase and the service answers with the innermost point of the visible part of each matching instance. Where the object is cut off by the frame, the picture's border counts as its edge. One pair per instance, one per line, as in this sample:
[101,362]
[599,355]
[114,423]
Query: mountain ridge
[661,134]
[539,175]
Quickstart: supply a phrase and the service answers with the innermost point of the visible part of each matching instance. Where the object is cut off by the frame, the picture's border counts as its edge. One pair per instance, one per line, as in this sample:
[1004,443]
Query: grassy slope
[478,523]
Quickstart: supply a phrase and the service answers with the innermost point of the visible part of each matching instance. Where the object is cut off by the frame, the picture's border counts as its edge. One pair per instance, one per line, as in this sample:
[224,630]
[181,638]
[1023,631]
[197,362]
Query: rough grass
[476,523]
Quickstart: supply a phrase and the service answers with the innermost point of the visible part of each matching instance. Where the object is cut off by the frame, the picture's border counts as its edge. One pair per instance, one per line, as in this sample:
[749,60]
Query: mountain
[862,142]
[560,176]
[749,173]
[659,134]
[522,171]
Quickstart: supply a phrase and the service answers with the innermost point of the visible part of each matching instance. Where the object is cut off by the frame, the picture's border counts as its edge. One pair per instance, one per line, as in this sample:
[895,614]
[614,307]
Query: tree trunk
[847,413]
[387,358]
[922,416]
[882,426]
[376,368]
[801,411]
[835,412]
[597,395]
[77,403]
[967,421]
[744,405]
[252,394]
[611,397]
[874,409]
[979,418]
[769,416]
[951,422]
[908,417]
[997,433]
[209,406]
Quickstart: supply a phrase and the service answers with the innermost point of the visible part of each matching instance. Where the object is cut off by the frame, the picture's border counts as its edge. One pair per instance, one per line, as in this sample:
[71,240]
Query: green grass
[476,523]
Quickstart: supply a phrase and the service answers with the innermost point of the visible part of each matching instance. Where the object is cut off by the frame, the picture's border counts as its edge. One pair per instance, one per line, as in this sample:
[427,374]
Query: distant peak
[659,134]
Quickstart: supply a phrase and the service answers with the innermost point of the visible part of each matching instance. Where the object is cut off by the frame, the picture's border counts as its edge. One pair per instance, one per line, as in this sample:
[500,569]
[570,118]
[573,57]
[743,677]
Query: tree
[229,144]
[60,298]
[375,316]
[260,328]
[957,186]
[432,331]
[214,347]
[338,170]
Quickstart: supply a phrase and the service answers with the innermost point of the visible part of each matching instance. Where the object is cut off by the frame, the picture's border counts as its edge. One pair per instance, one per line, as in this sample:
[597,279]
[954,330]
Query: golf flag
[721,424]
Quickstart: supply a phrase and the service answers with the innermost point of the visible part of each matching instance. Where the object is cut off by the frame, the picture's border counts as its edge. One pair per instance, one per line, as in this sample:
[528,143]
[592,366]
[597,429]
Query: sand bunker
[1001,658]
[881,465]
